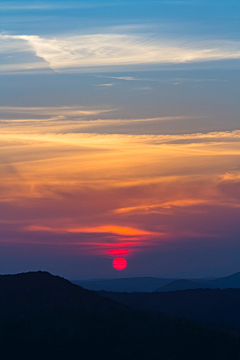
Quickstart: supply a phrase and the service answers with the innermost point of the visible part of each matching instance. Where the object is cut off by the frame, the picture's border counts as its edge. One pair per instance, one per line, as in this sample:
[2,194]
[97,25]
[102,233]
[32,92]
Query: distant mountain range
[151,284]
[47,317]
[185,285]
[146,284]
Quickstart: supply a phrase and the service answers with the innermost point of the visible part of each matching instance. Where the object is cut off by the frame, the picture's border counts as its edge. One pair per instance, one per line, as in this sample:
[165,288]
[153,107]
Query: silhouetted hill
[184,285]
[220,307]
[41,293]
[139,284]
[46,317]
[232,281]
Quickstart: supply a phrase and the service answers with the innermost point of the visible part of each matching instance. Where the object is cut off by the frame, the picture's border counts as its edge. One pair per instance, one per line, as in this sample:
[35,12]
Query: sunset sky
[120,137]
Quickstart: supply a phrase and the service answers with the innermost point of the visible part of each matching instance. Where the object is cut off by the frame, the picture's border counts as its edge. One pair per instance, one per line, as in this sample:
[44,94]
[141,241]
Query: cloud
[104,85]
[60,5]
[76,119]
[231,176]
[117,230]
[104,239]
[171,81]
[125,78]
[95,193]
[30,67]
[71,111]
[58,130]
[73,53]
[157,208]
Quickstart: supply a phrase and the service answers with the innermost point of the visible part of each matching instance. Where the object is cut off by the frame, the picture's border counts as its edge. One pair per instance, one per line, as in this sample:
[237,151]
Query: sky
[120,137]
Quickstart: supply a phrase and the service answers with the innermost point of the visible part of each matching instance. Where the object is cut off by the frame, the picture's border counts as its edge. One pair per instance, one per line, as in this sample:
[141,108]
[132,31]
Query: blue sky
[211,17]
[168,33]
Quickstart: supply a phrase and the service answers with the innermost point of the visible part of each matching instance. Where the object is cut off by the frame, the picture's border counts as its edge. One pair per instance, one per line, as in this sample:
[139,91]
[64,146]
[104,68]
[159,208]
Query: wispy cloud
[107,238]
[104,85]
[118,230]
[94,189]
[125,78]
[107,229]
[60,5]
[197,142]
[102,50]
[157,208]
[66,111]
[76,120]
[172,81]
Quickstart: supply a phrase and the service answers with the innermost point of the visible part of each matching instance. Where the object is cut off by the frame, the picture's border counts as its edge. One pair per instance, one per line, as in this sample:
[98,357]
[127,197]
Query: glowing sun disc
[119,263]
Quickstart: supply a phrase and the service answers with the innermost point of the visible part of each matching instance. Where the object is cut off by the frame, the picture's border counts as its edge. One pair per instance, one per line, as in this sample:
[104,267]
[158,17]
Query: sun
[119,264]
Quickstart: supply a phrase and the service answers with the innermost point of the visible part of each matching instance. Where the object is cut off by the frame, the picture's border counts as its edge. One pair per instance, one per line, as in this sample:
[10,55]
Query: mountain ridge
[152,284]
[184,285]
[47,317]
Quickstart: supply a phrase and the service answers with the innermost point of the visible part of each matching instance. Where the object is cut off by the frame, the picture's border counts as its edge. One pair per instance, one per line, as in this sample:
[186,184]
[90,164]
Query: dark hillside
[46,317]
[40,293]
[220,307]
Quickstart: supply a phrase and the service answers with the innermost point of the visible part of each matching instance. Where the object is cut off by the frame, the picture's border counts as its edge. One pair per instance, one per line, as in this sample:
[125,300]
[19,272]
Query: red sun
[119,263]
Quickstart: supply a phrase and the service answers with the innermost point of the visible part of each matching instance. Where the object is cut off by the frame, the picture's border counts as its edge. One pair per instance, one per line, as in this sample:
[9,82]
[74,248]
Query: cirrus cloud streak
[79,52]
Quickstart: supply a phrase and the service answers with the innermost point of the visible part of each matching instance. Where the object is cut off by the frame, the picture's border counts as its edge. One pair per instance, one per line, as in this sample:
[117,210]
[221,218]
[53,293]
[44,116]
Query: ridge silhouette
[47,317]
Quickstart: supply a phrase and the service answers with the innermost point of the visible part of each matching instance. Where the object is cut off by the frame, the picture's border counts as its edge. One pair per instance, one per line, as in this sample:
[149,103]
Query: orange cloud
[42,228]
[164,205]
[118,252]
[117,230]
[137,189]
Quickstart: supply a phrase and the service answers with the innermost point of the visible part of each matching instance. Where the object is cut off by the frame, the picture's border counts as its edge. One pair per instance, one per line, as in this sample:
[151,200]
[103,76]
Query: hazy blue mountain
[220,307]
[184,285]
[232,281]
[47,317]
[151,284]
[139,284]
